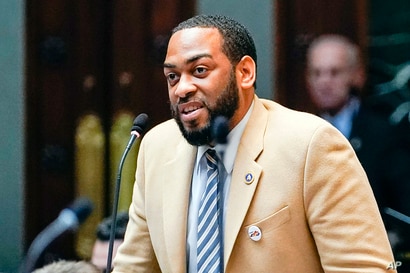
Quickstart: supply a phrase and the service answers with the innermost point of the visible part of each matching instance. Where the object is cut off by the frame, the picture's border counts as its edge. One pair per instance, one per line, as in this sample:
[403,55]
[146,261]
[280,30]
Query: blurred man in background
[336,80]
[100,250]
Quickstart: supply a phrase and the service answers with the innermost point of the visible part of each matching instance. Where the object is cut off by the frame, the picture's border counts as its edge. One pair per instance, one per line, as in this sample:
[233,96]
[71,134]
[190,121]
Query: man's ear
[246,72]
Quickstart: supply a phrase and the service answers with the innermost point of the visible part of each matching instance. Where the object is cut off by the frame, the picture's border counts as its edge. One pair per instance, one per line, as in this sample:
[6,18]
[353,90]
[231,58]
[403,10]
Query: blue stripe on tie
[209,250]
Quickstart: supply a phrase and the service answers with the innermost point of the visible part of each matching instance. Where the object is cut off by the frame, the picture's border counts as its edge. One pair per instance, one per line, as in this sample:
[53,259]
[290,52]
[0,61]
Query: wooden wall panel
[51,94]
[94,56]
[140,34]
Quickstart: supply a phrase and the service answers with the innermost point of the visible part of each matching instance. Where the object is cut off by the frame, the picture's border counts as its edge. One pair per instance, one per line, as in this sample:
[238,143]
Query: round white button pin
[254,233]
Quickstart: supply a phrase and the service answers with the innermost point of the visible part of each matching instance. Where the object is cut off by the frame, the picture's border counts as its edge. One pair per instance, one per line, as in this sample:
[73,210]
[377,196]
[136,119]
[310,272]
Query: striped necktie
[209,246]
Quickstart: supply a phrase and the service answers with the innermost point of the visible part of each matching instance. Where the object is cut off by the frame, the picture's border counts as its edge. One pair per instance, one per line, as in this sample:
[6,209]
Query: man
[99,255]
[294,196]
[336,80]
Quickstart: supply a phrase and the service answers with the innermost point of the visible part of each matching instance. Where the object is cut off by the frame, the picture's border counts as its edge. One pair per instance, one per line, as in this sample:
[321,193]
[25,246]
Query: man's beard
[225,105]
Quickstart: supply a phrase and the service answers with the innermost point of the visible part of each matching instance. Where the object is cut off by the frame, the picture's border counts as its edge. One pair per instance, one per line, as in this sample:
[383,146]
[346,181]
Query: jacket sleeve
[341,209]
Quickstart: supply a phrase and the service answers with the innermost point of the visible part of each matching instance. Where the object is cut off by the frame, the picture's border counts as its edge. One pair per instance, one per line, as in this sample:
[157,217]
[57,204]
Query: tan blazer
[308,195]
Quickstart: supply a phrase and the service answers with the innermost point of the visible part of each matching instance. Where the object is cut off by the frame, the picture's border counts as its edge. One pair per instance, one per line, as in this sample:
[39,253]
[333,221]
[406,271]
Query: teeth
[190,109]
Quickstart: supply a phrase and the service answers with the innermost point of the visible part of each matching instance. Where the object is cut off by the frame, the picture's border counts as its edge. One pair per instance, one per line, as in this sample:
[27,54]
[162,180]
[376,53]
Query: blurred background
[74,74]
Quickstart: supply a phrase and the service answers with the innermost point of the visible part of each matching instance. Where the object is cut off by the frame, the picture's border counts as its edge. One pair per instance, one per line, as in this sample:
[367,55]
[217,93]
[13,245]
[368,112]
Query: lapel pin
[248,178]
[254,233]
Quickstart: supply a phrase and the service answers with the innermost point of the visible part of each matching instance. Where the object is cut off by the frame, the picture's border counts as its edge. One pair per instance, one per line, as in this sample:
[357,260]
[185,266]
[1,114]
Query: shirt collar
[230,149]
[343,119]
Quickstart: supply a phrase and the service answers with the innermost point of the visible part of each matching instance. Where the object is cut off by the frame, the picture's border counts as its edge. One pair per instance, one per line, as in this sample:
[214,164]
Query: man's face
[201,82]
[329,76]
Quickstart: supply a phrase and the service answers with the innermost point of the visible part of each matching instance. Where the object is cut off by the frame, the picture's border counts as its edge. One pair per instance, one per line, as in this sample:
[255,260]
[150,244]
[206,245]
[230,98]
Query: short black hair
[237,41]
[104,228]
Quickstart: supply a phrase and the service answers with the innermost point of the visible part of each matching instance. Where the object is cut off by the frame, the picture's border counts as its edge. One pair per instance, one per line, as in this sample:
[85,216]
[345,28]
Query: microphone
[397,215]
[220,131]
[69,219]
[138,127]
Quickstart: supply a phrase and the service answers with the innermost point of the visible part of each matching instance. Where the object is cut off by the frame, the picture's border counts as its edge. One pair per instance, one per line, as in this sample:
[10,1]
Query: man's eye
[172,78]
[200,70]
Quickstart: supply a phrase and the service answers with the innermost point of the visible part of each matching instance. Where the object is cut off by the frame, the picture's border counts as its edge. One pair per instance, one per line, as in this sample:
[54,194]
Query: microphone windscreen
[220,129]
[140,123]
[82,208]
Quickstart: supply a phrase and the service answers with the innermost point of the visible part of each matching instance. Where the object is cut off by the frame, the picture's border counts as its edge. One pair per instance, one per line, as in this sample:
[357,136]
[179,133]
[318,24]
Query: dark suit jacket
[383,147]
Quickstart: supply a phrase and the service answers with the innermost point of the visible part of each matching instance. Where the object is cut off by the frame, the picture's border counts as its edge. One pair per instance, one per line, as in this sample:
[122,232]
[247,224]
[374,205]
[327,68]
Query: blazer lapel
[245,176]
[175,194]
[175,191]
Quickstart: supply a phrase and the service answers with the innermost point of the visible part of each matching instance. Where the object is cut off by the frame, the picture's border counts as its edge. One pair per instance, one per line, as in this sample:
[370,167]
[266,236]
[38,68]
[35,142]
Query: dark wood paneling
[140,34]
[77,53]
[51,94]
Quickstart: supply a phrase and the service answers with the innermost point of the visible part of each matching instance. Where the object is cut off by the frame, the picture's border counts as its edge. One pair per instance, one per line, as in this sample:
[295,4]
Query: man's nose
[185,86]
[324,76]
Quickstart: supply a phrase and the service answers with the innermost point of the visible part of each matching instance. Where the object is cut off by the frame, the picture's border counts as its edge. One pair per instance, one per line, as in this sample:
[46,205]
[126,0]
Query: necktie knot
[211,161]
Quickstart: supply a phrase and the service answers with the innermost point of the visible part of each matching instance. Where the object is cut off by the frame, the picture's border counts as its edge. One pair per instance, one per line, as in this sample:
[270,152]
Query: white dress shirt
[343,120]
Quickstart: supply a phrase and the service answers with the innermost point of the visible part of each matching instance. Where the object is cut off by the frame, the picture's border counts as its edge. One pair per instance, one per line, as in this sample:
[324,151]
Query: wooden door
[93,58]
